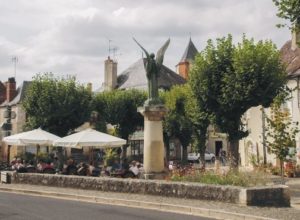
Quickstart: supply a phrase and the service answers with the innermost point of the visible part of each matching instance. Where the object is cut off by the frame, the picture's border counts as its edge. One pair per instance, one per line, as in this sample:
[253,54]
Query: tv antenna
[112,49]
[109,49]
[14,59]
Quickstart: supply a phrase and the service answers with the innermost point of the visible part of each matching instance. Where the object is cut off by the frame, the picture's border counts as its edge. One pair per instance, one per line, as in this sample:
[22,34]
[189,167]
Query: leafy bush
[244,179]
[27,156]
[43,156]
[110,155]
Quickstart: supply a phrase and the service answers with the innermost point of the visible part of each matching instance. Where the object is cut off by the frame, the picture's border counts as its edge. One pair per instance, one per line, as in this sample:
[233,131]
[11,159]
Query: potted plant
[110,156]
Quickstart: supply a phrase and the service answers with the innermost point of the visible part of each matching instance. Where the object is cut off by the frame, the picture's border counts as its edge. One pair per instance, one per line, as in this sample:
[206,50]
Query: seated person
[55,164]
[48,165]
[134,168]
[40,166]
[13,164]
[93,170]
[125,165]
[30,167]
[19,166]
[70,168]
[82,169]
[115,166]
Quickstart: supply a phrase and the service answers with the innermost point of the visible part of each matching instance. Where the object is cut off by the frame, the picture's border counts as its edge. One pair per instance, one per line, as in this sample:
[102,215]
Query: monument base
[153,140]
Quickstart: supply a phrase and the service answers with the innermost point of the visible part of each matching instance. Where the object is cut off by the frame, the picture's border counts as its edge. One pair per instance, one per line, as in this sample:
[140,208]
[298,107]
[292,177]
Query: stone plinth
[153,139]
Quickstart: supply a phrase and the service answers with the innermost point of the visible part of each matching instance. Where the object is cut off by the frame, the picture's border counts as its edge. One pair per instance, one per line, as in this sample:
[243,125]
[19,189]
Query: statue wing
[161,52]
[147,54]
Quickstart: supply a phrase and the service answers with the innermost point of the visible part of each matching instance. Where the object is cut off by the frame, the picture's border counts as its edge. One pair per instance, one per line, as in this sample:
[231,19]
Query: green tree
[289,10]
[200,120]
[119,108]
[176,123]
[281,133]
[227,80]
[186,120]
[58,105]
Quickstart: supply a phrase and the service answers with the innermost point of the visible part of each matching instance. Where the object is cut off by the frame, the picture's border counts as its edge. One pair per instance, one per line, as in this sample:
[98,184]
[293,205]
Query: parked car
[194,157]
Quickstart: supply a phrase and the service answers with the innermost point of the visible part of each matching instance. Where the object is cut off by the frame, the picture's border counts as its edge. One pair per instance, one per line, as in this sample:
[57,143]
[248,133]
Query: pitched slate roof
[21,92]
[190,52]
[135,77]
[291,58]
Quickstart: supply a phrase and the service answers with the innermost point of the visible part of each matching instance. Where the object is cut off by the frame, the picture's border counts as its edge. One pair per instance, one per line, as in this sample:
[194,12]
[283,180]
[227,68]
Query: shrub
[110,156]
[27,156]
[244,179]
[275,170]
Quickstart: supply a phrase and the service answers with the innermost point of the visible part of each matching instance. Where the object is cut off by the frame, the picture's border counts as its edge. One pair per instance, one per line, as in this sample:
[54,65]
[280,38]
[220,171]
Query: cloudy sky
[71,37]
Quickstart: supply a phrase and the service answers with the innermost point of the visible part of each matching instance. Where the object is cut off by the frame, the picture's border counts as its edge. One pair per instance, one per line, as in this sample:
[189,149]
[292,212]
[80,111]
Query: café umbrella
[90,138]
[33,137]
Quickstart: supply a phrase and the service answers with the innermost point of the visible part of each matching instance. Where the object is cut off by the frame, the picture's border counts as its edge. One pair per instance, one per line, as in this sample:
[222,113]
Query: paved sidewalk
[294,184]
[197,207]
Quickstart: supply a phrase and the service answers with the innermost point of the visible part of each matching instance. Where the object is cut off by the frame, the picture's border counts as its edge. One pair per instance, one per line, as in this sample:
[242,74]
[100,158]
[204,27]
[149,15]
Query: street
[14,206]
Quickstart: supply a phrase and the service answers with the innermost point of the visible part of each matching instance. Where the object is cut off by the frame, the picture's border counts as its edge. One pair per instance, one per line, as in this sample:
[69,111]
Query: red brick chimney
[11,89]
[2,92]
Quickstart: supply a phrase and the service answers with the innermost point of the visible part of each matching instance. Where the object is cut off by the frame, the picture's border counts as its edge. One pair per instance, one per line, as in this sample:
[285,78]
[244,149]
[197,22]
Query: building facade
[12,96]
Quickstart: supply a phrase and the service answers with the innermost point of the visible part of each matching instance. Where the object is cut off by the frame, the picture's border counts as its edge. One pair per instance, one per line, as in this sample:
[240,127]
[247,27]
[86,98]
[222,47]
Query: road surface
[15,207]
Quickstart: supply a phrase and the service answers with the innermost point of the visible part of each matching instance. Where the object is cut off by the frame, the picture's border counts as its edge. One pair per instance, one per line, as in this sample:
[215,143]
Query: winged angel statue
[152,68]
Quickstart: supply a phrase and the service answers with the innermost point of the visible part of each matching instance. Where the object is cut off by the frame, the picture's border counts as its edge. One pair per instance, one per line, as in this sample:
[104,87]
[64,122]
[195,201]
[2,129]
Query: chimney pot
[110,74]
[11,89]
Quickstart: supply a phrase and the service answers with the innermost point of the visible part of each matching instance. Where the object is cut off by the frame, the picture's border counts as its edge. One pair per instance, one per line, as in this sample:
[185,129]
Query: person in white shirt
[134,168]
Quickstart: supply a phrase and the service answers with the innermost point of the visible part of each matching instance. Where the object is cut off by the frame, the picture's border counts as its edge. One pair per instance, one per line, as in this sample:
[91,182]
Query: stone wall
[260,196]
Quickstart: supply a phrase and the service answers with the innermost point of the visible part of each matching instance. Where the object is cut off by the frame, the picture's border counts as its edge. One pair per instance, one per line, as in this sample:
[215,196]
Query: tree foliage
[227,80]
[281,131]
[186,120]
[200,120]
[176,123]
[58,105]
[119,108]
[289,10]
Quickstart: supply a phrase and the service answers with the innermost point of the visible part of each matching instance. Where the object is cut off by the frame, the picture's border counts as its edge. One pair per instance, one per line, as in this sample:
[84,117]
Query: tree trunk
[282,171]
[201,139]
[202,158]
[124,152]
[234,155]
[184,155]
[60,158]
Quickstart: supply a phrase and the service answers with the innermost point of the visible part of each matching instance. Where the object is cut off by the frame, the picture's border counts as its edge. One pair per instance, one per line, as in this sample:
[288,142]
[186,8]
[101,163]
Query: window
[136,147]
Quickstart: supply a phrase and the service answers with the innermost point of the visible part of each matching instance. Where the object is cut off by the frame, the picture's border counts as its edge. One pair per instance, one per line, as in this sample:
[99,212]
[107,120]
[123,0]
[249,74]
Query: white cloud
[71,36]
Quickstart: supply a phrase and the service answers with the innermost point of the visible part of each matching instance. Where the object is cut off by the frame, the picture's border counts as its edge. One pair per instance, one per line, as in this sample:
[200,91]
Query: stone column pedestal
[153,141]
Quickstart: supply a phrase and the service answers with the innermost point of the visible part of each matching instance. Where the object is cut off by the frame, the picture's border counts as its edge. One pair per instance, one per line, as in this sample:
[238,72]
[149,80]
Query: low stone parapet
[253,196]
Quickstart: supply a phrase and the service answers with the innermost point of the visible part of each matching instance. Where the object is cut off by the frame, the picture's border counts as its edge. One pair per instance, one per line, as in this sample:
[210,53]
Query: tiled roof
[135,77]
[291,58]
[21,92]
[190,52]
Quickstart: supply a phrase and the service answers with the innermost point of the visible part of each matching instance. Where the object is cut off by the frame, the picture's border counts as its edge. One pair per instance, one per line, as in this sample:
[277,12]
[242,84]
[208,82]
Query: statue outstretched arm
[161,52]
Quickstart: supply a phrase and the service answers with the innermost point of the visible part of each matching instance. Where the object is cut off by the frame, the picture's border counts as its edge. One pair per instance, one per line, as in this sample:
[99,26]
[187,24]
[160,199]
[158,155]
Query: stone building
[12,96]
